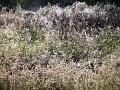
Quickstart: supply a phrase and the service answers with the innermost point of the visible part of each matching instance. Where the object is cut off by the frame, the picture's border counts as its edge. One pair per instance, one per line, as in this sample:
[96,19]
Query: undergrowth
[54,48]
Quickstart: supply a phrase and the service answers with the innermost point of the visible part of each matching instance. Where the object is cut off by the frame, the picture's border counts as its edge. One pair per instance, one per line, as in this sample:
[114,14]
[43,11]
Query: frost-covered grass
[54,48]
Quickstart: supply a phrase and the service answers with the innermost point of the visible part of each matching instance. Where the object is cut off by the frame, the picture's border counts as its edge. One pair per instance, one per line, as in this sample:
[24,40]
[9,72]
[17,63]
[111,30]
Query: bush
[54,48]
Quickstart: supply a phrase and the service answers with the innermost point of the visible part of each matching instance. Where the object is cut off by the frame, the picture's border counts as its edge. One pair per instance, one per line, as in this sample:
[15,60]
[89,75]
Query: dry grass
[72,48]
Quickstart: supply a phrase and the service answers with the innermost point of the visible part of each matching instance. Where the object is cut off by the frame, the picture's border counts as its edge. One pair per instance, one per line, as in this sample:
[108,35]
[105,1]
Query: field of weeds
[54,48]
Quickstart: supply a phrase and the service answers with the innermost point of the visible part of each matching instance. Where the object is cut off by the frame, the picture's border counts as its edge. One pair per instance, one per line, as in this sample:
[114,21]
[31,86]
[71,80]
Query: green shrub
[109,44]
